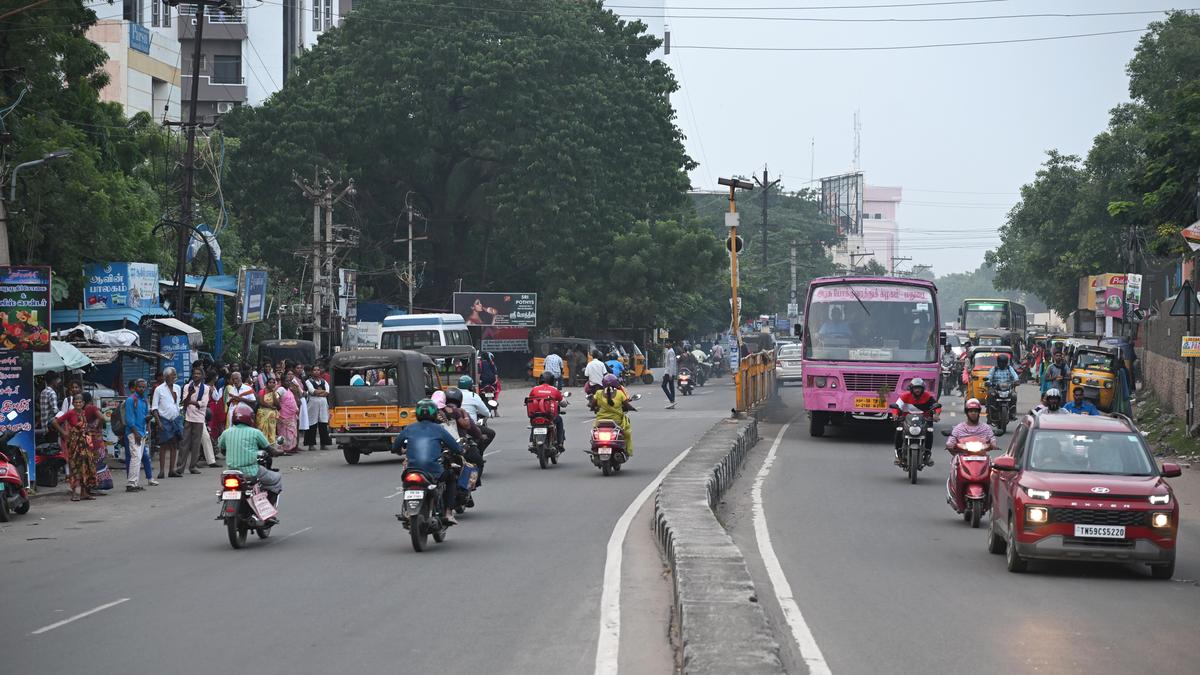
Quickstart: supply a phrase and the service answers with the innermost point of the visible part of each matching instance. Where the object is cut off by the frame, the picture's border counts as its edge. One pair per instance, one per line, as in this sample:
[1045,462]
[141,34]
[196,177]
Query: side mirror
[636,397]
[946,433]
[1005,463]
[1171,470]
[566,394]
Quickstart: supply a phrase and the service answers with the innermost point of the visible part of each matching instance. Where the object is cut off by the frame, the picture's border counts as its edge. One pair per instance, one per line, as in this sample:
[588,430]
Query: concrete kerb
[722,627]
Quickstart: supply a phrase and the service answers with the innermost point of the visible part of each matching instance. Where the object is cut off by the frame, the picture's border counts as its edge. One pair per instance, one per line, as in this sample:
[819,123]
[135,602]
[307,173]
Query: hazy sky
[959,128]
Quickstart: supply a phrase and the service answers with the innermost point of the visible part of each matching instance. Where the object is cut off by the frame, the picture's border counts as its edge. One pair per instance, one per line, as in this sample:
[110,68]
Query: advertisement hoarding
[180,351]
[505,340]
[16,403]
[1190,349]
[25,308]
[124,284]
[497,309]
[842,202]
[252,295]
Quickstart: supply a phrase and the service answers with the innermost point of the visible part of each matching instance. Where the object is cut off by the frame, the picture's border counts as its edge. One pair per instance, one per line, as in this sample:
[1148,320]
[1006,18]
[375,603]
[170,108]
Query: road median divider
[722,626]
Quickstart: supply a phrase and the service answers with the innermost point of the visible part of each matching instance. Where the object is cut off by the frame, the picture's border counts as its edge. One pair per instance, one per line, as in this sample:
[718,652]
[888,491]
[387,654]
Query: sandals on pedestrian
[74,498]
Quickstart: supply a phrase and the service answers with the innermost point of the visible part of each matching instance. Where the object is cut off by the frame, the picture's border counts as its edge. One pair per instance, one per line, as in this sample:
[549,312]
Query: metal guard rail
[755,380]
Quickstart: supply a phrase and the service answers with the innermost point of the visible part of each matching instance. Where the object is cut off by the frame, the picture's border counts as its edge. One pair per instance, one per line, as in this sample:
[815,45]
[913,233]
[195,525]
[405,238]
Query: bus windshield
[985,315]
[887,323]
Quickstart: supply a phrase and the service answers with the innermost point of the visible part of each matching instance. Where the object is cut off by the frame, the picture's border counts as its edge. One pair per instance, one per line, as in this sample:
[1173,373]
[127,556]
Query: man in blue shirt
[614,365]
[553,364]
[134,416]
[422,443]
[1080,406]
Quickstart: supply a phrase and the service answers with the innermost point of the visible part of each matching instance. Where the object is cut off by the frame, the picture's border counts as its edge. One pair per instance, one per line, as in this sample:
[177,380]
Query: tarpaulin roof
[62,356]
[94,316]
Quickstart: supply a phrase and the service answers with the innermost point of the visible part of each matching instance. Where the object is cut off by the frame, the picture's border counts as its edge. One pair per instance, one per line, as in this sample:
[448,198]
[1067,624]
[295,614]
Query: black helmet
[1002,360]
[596,354]
[426,410]
[454,396]
[548,377]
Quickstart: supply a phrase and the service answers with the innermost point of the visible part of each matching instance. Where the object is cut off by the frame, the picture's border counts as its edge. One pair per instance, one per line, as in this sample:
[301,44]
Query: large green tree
[535,139]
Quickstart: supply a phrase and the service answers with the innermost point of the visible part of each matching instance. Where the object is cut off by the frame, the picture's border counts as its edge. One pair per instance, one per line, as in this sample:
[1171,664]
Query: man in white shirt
[164,406]
[595,371]
[196,396]
[670,370]
[553,364]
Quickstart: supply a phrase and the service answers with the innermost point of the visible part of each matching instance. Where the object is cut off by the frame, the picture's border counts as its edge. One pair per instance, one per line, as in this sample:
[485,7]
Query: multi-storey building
[143,56]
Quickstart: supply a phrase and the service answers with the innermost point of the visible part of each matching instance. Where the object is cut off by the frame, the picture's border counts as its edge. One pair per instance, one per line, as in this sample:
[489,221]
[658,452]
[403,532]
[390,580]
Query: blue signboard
[112,285]
[783,326]
[177,347]
[16,404]
[139,38]
[252,296]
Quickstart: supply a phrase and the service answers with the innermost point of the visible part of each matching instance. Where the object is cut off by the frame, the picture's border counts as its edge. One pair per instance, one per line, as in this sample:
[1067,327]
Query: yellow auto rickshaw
[981,361]
[452,362]
[563,346]
[374,395]
[1094,368]
[638,361]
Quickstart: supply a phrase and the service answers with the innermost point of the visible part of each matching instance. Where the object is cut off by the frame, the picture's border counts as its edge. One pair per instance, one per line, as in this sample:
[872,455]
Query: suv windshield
[1116,453]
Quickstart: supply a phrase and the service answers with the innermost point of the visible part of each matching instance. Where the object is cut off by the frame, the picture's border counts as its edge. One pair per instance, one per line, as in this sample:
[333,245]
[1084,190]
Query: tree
[536,140]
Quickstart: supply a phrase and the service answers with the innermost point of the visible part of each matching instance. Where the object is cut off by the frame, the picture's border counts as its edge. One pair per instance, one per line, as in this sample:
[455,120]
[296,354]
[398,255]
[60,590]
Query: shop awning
[195,339]
[216,284]
[103,355]
[131,315]
[62,356]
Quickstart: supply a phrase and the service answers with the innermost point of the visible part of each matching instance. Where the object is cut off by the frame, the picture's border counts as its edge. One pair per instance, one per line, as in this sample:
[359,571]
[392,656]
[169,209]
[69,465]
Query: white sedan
[787,364]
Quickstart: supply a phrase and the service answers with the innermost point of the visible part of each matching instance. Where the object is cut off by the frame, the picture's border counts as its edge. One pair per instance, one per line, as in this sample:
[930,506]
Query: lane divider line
[609,643]
[60,624]
[292,534]
[809,651]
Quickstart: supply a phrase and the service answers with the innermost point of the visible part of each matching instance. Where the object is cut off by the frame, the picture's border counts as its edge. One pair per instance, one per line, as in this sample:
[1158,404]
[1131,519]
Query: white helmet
[916,382]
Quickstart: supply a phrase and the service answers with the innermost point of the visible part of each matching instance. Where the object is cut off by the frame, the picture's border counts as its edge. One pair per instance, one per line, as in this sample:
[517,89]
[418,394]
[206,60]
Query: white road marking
[494,452]
[809,650]
[292,534]
[399,491]
[609,644]
[60,624]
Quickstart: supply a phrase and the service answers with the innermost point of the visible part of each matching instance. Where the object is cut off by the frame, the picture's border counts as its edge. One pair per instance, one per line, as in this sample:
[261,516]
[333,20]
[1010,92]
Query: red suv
[1079,487]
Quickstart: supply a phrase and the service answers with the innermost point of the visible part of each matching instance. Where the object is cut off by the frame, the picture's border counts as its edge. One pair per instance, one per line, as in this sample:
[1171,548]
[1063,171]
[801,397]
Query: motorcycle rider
[964,366]
[1004,373]
[926,403]
[1079,405]
[974,426]
[241,443]
[466,423]
[614,365]
[472,402]
[595,372]
[422,444]
[547,390]
[1051,403]
[611,403]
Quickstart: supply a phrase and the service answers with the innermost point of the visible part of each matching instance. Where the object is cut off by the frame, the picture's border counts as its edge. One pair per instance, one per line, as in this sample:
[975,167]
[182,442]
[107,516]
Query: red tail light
[414,478]
[605,436]
[232,483]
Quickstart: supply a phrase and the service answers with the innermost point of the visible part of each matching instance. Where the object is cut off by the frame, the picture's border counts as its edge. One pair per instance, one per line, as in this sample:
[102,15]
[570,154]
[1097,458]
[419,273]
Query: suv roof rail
[1124,418]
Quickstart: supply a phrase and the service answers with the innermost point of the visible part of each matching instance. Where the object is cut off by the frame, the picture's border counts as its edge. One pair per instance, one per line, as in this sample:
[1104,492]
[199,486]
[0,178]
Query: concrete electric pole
[323,197]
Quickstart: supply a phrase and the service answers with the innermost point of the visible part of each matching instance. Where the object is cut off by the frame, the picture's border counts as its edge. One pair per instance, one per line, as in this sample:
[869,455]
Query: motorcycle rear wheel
[420,536]
[647,378]
[606,468]
[541,453]
[3,508]
[976,513]
[237,532]
[22,509]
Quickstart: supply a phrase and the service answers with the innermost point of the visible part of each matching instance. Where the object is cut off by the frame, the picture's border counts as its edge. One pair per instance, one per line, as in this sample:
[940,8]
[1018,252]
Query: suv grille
[871,381]
[1098,517]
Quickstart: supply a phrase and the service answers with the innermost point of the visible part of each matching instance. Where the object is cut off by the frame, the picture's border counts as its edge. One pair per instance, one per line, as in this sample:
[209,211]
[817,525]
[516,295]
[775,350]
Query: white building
[877,240]
[143,57]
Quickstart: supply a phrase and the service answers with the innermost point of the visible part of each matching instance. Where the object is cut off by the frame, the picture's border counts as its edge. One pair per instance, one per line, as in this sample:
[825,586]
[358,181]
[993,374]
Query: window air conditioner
[224,107]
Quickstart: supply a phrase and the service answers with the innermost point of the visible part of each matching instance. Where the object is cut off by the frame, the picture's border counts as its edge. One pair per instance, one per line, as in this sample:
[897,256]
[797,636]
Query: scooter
[543,435]
[685,382]
[967,486]
[915,425]
[49,460]
[14,484]
[491,396]
[245,505]
[608,443]
[422,514]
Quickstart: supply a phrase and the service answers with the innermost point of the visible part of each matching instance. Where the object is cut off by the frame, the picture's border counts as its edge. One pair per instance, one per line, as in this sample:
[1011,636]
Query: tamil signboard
[16,403]
[125,284]
[180,351]
[1133,290]
[497,309]
[505,340]
[1191,234]
[1190,349]
[25,308]
[252,295]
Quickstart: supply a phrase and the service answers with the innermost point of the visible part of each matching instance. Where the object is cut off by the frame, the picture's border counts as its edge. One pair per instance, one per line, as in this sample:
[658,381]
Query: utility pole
[855,256]
[410,278]
[323,198]
[766,187]
[731,221]
[896,259]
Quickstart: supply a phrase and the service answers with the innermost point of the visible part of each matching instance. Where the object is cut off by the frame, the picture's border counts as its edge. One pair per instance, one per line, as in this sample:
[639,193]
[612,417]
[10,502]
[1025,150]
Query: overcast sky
[959,128]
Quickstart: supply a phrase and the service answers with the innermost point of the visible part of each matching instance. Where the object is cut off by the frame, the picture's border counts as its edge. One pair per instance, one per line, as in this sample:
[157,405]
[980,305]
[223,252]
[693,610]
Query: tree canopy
[538,146]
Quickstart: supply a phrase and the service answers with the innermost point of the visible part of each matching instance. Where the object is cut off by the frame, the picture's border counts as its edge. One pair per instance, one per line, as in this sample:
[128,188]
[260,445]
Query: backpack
[117,420]
[541,407]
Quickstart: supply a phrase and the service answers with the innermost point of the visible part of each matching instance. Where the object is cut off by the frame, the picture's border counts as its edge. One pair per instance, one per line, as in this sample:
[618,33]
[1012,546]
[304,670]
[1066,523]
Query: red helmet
[243,414]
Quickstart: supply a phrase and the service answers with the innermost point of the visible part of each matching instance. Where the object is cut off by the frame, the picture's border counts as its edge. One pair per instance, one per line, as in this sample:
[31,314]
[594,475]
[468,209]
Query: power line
[938,19]
[885,48]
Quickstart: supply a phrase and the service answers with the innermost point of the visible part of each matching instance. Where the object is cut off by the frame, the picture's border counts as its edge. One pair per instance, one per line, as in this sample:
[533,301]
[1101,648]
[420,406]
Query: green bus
[992,314]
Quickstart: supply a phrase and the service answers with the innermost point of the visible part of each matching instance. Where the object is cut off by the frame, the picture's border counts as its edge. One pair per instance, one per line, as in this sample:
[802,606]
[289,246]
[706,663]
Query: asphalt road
[516,588]
[890,580]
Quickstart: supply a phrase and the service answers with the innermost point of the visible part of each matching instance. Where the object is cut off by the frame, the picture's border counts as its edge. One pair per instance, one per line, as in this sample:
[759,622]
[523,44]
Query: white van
[413,331]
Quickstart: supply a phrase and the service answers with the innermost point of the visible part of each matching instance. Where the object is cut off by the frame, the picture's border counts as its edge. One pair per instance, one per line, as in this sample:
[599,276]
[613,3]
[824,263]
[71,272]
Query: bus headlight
[819,382]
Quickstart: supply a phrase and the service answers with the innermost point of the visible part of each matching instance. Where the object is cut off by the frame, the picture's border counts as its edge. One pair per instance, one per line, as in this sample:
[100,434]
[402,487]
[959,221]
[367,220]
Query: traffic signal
[731,245]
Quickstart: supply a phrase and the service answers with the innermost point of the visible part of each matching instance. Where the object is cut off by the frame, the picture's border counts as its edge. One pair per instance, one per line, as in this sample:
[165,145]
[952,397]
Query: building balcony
[218,26]
[234,92]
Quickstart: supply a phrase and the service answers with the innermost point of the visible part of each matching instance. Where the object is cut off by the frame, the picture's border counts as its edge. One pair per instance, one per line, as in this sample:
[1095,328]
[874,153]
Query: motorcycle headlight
[915,430]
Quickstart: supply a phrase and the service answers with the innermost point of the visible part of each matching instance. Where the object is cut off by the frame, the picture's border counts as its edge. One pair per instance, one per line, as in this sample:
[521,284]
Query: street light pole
[5,253]
[731,221]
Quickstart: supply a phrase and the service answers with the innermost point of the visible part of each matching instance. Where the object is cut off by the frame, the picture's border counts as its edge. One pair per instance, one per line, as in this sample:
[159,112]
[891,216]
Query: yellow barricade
[755,380]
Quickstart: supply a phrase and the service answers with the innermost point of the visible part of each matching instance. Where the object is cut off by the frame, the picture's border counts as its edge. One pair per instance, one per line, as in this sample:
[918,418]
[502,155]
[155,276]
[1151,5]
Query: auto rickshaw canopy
[404,369]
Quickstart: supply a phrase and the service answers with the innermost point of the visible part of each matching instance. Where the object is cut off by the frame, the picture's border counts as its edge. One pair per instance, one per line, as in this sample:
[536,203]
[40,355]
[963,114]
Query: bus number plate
[869,402]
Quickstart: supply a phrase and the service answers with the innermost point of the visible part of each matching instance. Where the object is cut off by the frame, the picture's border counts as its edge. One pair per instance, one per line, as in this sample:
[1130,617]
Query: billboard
[16,403]
[252,295]
[505,340]
[497,309]
[124,284]
[842,202]
[25,308]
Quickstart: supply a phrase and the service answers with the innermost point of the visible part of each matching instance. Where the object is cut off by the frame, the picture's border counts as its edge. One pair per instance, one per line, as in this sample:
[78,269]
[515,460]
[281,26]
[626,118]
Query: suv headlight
[1035,493]
[1160,499]
[1160,520]
[1037,514]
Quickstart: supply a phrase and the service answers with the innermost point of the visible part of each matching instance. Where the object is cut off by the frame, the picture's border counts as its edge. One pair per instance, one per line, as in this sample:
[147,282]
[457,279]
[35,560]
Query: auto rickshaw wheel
[647,378]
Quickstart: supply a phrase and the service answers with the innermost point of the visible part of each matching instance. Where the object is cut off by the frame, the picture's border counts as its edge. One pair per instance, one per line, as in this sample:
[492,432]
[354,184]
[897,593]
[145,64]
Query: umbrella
[62,356]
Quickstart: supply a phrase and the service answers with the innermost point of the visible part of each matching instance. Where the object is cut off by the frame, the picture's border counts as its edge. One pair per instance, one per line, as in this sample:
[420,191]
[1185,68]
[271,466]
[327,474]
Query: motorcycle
[1001,406]
[608,444]
[245,505]
[948,379]
[14,484]
[543,435]
[915,425]
[468,477]
[685,383]
[422,514]
[967,486]
[491,397]
[49,460]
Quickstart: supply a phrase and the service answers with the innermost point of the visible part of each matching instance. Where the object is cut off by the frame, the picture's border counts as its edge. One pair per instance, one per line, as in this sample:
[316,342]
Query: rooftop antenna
[857,140]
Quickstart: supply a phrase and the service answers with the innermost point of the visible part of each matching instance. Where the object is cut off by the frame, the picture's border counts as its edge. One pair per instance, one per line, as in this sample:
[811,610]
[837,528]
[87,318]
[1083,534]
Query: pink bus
[865,339]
